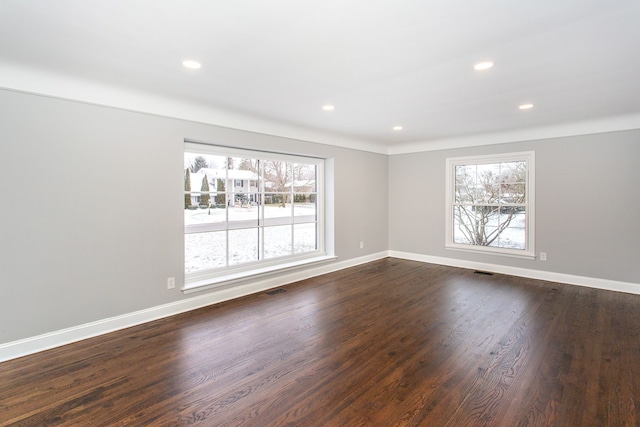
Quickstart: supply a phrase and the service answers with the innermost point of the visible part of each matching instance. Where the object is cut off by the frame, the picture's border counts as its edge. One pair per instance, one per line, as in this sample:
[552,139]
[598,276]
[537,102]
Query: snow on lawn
[205,250]
[512,237]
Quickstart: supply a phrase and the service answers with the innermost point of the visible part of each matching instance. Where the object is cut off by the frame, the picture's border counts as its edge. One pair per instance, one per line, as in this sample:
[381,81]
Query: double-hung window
[248,212]
[490,204]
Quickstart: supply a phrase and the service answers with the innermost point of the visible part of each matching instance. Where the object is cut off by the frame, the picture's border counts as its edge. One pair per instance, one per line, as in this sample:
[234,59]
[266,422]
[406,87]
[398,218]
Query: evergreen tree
[198,163]
[220,197]
[204,196]
[187,188]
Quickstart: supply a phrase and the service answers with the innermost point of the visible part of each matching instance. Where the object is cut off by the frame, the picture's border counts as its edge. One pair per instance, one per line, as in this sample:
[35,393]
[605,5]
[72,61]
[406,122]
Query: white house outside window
[490,204]
[247,210]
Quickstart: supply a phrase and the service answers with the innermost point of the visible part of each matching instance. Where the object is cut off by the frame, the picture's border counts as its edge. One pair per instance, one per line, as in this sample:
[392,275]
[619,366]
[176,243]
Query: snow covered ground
[209,248]
[512,237]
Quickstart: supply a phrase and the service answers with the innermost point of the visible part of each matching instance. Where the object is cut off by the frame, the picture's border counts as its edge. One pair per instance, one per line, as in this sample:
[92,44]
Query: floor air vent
[486,273]
[275,291]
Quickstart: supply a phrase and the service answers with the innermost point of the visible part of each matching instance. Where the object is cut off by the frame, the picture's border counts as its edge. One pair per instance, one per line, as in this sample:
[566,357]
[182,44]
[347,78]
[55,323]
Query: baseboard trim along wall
[23,347]
[590,282]
[26,346]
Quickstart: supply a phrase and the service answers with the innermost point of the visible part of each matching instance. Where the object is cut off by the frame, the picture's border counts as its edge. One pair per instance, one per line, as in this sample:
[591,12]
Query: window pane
[304,238]
[471,224]
[304,208]
[465,173]
[513,172]
[489,199]
[277,241]
[514,234]
[491,216]
[465,194]
[304,178]
[243,246]
[242,209]
[204,251]
[242,178]
[461,231]
[487,225]
[514,193]
[276,212]
[513,177]
[512,238]
[201,176]
[244,212]
[213,217]
[276,200]
[487,170]
[277,176]
[488,184]
[196,161]
[465,184]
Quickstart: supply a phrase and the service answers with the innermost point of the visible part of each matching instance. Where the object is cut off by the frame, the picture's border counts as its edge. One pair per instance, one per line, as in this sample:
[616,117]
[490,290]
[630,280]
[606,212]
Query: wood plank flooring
[389,343]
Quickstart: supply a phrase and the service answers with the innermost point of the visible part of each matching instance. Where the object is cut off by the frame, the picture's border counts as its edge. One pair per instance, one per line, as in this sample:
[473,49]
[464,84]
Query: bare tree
[277,175]
[487,200]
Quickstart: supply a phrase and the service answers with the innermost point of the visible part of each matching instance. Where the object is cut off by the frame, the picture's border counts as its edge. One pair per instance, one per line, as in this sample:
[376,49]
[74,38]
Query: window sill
[231,278]
[492,251]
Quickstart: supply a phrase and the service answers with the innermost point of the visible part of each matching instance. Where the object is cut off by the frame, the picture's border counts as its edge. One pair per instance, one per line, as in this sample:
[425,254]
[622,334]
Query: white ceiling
[270,65]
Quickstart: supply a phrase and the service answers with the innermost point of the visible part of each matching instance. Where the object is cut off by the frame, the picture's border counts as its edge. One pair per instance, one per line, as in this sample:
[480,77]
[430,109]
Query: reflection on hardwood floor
[389,343]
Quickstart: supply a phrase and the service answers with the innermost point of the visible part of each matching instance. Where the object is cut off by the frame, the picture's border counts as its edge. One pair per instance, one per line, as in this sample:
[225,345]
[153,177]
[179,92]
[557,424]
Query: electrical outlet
[543,256]
[171,282]
[361,245]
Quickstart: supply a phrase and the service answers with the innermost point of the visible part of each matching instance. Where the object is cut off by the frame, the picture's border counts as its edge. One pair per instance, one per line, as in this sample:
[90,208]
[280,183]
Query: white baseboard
[609,285]
[23,347]
[26,346]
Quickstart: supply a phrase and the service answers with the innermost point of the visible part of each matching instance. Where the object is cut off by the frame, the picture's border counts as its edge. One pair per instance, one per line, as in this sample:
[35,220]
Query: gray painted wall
[76,250]
[587,205]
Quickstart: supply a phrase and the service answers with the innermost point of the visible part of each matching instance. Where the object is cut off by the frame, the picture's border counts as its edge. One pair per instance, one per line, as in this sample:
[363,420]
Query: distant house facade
[241,186]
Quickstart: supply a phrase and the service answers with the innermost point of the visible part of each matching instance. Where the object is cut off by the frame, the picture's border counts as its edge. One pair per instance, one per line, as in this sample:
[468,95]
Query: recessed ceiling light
[194,65]
[525,106]
[481,66]
[328,108]
[397,128]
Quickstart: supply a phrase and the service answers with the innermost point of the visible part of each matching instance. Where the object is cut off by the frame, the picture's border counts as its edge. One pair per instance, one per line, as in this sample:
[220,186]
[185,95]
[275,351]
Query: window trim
[451,163]
[212,278]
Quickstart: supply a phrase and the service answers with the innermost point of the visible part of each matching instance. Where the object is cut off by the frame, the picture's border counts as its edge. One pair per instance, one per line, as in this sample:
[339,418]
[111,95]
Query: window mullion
[274,241]
[505,220]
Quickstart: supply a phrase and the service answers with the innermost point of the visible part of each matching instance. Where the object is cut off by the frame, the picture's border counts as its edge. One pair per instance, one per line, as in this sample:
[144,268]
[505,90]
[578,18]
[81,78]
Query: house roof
[270,66]
[232,173]
[212,174]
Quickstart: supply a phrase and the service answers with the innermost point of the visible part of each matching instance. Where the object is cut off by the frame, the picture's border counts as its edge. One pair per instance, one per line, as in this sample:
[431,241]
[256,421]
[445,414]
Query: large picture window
[490,204]
[246,210]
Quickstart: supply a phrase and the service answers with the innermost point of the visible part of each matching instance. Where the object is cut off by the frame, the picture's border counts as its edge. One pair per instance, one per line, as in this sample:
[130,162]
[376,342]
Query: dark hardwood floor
[389,343]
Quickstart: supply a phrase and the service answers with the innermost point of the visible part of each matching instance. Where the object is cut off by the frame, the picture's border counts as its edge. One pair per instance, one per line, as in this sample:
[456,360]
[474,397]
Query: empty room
[319,213]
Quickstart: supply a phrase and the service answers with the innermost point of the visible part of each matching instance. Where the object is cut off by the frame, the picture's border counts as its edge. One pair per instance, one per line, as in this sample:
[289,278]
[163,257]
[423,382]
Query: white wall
[587,205]
[75,252]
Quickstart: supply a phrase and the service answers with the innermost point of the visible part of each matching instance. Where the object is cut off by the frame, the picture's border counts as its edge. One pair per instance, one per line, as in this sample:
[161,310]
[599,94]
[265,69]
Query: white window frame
[529,157]
[224,276]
